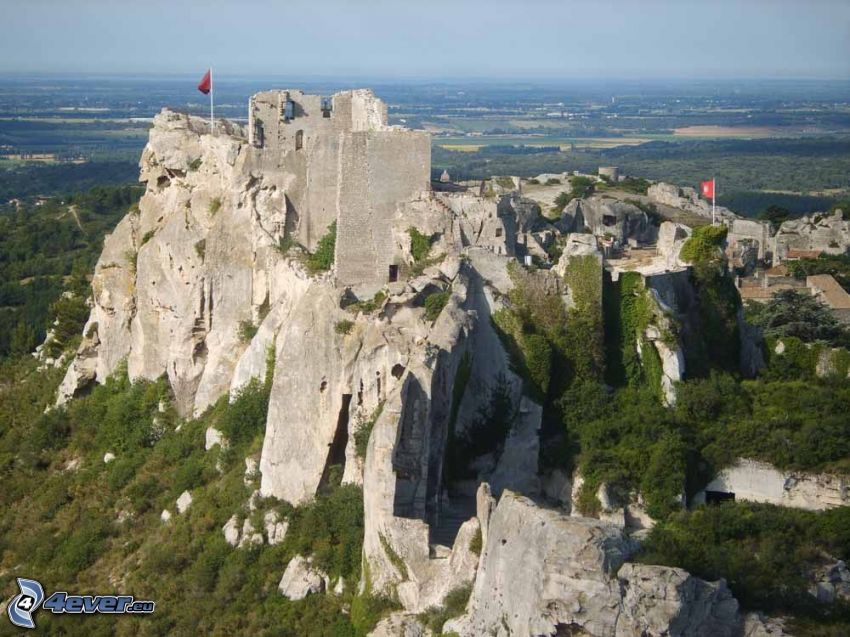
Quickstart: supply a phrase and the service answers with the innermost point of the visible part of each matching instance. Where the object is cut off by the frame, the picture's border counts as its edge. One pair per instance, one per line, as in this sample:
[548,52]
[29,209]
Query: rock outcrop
[819,232]
[687,199]
[610,218]
[301,579]
[756,481]
[542,572]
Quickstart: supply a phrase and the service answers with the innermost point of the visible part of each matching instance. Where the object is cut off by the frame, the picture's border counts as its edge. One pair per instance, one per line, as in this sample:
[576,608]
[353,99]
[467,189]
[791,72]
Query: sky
[430,39]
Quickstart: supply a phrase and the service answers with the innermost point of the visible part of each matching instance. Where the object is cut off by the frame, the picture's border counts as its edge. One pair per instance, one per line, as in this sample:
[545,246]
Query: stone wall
[327,175]
[379,170]
[743,231]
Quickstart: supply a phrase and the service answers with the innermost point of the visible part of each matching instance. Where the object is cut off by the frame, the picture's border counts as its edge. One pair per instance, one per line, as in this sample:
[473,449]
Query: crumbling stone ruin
[208,282]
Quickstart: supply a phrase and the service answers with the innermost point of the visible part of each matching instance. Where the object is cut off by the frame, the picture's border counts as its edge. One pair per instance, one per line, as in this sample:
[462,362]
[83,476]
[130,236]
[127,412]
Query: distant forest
[743,168]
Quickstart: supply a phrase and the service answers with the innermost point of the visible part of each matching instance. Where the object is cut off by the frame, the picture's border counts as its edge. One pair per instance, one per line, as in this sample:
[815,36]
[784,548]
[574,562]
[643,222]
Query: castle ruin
[339,161]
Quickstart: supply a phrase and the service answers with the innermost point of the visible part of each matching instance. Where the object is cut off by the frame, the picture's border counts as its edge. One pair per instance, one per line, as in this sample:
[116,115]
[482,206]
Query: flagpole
[212,114]
[713,200]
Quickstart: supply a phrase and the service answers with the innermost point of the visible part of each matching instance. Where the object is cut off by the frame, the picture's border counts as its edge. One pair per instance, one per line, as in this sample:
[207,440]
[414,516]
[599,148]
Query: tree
[790,313]
[23,339]
[775,214]
[582,187]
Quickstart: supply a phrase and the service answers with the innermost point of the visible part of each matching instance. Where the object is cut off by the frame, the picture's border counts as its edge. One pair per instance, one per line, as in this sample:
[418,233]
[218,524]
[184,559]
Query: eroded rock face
[543,572]
[686,199]
[756,481]
[659,600]
[540,570]
[819,232]
[603,217]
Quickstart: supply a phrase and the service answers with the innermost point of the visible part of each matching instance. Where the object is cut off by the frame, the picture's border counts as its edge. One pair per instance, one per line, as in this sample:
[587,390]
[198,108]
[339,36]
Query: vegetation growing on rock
[322,259]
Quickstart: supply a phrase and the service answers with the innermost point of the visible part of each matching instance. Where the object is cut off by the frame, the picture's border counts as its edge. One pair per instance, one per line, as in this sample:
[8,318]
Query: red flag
[206,83]
[708,189]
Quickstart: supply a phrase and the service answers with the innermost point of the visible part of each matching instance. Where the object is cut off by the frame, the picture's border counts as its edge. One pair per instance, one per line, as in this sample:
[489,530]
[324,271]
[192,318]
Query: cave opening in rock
[717,497]
[335,464]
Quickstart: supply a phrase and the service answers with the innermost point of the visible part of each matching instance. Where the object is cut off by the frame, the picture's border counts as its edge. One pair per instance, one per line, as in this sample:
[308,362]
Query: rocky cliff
[205,283]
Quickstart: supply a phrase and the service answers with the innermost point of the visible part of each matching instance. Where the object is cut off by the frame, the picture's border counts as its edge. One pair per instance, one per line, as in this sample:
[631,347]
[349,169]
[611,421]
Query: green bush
[344,327]
[322,259]
[434,304]
[364,432]
[84,545]
[703,246]
[453,606]
[561,202]
[581,187]
[634,184]
[368,306]
[245,418]
[420,245]
[330,528]
[487,432]
[247,331]
[367,610]
[215,205]
[70,314]
[764,552]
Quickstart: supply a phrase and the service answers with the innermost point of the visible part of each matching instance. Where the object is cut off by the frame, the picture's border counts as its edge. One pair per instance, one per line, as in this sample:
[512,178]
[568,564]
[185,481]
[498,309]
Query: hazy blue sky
[438,38]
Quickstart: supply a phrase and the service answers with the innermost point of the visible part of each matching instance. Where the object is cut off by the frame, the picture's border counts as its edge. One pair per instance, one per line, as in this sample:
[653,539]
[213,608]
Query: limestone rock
[687,199]
[165,516]
[275,527]
[671,238]
[252,470]
[399,625]
[557,487]
[214,437]
[108,457]
[832,582]
[250,536]
[758,625]
[818,232]
[231,531]
[183,502]
[542,571]
[756,481]
[617,220]
[301,579]
[516,468]
[660,600]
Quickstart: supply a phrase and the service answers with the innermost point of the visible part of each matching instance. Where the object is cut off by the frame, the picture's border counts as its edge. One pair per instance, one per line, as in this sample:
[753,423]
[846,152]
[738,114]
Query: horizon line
[501,79]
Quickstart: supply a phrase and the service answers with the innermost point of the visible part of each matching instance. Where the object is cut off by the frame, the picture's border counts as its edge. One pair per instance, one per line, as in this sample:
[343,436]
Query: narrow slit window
[299,140]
